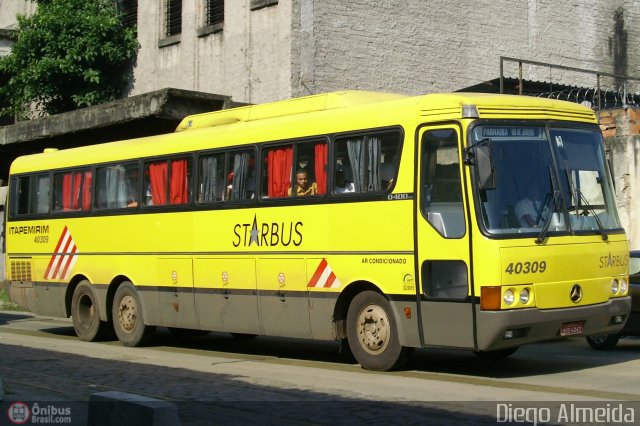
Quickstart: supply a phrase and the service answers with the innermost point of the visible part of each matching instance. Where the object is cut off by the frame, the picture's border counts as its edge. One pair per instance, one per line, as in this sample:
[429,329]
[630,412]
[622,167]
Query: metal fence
[600,89]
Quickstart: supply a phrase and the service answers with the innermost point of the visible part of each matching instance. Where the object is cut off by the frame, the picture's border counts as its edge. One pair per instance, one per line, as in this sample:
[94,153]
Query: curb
[112,408]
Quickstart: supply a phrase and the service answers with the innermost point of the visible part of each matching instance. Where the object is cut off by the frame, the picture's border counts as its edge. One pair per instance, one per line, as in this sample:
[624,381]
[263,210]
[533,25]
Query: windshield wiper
[550,211]
[589,210]
[547,222]
[579,196]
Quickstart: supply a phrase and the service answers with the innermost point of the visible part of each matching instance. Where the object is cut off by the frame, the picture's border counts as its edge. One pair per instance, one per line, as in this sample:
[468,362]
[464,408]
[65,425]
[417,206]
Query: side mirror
[485,171]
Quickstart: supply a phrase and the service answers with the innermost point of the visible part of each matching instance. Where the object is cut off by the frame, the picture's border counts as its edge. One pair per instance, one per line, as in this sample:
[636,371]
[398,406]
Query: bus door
[442,241]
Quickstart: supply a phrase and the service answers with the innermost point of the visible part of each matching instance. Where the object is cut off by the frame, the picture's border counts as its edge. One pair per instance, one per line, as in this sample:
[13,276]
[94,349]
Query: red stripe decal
[318,273]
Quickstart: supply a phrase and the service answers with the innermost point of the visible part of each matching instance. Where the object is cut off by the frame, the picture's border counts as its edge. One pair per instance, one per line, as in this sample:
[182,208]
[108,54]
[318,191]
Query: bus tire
[603,342]
[128,319]
[85,314]
[372,333]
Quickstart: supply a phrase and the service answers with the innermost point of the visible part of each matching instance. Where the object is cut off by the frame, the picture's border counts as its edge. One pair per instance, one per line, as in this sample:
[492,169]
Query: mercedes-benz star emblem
[576,293]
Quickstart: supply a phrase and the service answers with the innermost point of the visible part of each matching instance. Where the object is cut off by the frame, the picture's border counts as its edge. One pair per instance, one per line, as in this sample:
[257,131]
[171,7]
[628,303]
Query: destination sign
[511,132]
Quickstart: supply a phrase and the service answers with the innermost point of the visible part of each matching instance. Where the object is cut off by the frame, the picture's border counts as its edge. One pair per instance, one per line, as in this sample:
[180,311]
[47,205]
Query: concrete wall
[419,46]
[249,59]
[8,21]
[10,8]
[621,131]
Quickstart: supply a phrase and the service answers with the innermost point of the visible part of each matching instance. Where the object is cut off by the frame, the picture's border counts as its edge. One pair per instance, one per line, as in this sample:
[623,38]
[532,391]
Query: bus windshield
[547,180]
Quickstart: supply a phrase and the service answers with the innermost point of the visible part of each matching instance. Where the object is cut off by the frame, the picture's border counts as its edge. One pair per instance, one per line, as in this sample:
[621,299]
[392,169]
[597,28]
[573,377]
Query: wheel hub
[127,314]
[373,329]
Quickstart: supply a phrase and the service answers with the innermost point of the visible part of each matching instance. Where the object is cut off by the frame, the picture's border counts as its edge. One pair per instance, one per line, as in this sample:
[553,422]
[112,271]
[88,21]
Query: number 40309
[526,267]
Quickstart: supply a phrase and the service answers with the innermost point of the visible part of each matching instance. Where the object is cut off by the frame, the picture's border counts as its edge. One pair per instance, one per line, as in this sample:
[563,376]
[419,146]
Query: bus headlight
[624,286]
[524,296]
[509,297]
[615,286]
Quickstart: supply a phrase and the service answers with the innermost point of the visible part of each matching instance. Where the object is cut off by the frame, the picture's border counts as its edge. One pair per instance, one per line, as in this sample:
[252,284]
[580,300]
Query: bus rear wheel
[86,315]
[128,319]
[372,333]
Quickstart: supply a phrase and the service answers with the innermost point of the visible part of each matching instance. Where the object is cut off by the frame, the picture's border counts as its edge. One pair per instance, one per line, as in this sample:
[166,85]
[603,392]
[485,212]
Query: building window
[215,12]
[129,12]
[259,4]
[173,22]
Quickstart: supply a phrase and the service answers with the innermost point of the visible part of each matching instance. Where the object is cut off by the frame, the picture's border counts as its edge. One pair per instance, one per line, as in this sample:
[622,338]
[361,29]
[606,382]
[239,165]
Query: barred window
[129,12]
[173,24]
[215,12]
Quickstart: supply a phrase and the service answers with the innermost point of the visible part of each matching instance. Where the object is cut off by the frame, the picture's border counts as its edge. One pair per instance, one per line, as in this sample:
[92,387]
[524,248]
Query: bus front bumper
[506,329]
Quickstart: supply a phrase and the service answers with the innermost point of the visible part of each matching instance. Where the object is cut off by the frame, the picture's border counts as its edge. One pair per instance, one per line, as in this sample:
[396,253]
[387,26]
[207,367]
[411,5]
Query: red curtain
[158,178]
[279,163]
[179,193]
[86,192]
[76,191]
[67,190]
[320,167]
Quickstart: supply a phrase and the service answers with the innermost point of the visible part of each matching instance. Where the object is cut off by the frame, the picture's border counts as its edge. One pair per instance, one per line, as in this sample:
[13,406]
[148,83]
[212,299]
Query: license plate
[572,328]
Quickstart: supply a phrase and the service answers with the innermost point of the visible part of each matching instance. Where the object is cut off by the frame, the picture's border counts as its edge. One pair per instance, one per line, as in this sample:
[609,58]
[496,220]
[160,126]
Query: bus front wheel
[85,314]
[372,333]
[128,320]
[603,342]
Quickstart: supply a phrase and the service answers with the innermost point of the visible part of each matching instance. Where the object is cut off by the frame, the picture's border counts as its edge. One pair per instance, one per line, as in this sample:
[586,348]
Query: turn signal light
[490,298]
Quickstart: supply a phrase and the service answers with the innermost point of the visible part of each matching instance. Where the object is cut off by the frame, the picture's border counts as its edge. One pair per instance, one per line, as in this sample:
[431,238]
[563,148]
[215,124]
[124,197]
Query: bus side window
[117,186]
[240,175]
[211,184]
[310,169]
[20,195]
[295,170]
[40,194]
[366,163]
[167,182]
[278,167]
[441,185]
[30,195]
[72,191]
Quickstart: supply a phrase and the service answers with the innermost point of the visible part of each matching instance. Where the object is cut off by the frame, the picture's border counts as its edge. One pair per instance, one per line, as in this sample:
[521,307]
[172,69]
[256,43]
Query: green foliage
[69,54]
[6,304]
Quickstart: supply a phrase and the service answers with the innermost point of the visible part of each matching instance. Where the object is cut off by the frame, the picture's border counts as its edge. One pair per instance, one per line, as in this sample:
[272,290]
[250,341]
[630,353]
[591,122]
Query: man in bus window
[302,186]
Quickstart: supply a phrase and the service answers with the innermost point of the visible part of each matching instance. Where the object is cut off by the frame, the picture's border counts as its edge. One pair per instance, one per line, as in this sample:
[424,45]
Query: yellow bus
[473,221]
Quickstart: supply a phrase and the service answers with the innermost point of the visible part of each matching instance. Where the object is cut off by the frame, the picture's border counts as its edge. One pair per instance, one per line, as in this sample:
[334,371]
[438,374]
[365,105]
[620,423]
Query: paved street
[216,379]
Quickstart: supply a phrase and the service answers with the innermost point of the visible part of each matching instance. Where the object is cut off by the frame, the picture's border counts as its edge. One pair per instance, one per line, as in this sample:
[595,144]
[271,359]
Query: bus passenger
[342,186]
[302,186]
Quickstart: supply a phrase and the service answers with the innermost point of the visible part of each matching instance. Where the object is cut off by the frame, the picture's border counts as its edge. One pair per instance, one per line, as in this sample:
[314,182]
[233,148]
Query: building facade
[263,50]
[268,50]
